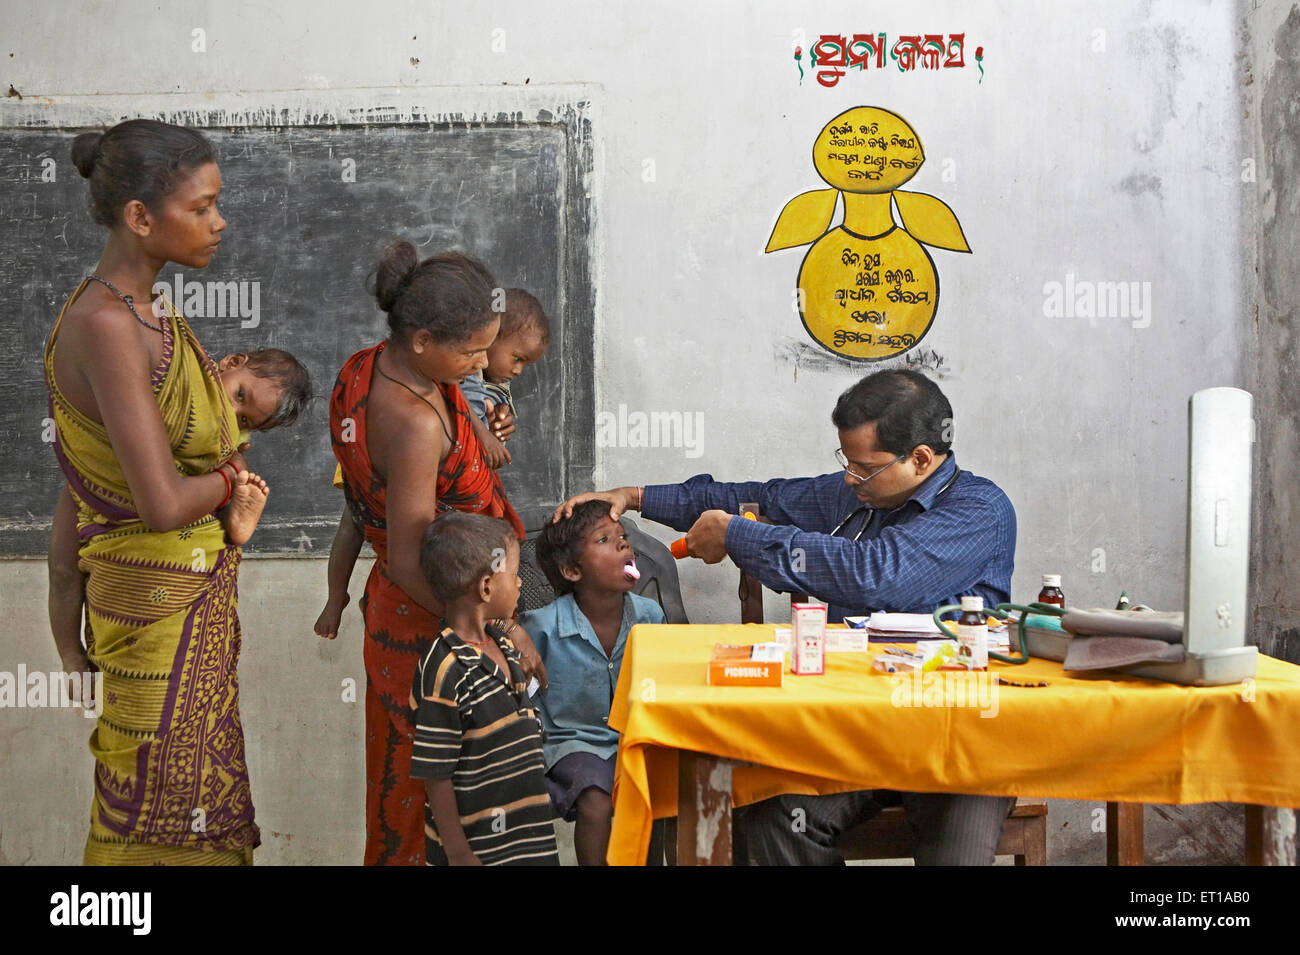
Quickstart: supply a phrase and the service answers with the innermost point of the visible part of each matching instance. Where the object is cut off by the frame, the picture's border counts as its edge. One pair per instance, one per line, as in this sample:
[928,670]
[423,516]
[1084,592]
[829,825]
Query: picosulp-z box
[758,664]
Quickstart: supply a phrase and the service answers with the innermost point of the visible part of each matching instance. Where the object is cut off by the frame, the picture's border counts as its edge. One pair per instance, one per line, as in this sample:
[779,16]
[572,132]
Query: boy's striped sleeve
[437,715]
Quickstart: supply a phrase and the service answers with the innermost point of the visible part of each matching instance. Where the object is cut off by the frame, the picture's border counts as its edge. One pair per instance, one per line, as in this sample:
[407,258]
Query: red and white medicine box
[807,639]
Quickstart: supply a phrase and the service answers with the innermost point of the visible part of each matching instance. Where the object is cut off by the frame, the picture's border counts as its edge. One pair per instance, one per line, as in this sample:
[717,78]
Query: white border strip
[321,107]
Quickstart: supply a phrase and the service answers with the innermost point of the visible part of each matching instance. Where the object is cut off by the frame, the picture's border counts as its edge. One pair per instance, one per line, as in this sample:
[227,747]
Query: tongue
[630,570]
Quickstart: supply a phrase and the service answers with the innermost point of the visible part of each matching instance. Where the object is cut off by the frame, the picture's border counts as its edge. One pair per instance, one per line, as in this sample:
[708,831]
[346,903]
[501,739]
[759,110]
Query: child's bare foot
[327,624]
[247,498]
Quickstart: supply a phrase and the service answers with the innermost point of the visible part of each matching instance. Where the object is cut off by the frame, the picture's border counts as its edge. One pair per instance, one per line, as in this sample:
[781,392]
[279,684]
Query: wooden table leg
[703,809]
[1124,833]
[1270,836]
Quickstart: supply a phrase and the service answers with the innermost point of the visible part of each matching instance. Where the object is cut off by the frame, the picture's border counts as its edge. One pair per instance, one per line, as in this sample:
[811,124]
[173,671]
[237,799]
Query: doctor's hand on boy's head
[620,499]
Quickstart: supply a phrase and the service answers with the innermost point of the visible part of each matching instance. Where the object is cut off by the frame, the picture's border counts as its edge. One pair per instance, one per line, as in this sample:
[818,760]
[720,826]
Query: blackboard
[309,210]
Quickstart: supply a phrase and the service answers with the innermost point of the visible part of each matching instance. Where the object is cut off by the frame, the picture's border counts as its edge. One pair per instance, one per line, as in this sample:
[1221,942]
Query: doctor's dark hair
[138,159]
[449,295]
[907,408]
[459,549]
[560,544]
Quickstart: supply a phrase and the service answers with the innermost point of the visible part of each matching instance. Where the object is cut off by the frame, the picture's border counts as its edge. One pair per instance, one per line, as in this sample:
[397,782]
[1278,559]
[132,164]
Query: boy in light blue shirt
[581,636]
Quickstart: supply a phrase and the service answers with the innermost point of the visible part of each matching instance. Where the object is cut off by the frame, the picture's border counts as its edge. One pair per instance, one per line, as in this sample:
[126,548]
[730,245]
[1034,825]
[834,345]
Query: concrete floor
[1209,834]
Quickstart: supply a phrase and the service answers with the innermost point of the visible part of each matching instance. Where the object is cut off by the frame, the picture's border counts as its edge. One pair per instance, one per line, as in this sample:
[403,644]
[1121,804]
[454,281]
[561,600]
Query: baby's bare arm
[494,451]
[343,558]
[67,584]
[344,553]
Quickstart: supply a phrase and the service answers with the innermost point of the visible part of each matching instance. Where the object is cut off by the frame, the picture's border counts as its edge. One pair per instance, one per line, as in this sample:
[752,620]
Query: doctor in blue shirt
[898,527]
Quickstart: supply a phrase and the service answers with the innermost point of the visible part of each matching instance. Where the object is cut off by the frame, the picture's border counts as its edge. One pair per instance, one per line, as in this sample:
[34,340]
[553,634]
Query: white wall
[1105,141]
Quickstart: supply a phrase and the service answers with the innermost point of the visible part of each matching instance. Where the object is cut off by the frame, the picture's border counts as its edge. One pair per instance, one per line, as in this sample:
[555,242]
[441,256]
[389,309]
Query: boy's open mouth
[630,569]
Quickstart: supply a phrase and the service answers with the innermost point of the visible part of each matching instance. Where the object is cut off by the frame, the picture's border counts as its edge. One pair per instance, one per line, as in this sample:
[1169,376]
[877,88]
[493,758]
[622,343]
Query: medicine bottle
[1051,592]
[973,633]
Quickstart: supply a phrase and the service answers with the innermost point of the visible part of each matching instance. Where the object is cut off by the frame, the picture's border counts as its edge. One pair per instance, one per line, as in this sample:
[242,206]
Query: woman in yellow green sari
[147,439]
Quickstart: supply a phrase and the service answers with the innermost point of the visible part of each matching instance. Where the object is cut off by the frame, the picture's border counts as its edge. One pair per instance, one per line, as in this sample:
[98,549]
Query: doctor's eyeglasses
[859,478]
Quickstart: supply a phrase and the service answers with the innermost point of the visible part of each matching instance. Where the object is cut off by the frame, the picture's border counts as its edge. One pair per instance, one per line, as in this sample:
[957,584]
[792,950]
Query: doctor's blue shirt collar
[930,488]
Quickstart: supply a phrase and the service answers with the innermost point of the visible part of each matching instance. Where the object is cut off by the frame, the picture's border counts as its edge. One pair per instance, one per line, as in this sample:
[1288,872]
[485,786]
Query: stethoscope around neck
[867,507]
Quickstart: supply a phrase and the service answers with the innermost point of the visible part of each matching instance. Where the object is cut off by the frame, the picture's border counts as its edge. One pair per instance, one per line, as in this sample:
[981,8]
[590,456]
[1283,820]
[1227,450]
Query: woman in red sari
[402,435]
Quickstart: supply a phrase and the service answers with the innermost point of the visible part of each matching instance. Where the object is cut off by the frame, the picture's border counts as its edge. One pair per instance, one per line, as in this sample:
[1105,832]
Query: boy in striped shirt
[478,739]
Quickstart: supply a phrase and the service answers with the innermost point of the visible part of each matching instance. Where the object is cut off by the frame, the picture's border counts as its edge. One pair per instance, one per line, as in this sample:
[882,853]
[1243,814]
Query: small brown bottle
[1051,592]
[973,633]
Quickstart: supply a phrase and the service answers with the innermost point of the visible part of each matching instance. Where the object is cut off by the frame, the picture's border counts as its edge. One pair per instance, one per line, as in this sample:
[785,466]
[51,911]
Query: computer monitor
[1221,430]
[1221,444]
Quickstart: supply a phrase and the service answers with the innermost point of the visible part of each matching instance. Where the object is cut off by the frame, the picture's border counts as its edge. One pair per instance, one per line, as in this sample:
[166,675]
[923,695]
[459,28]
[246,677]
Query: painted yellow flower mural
[868,289]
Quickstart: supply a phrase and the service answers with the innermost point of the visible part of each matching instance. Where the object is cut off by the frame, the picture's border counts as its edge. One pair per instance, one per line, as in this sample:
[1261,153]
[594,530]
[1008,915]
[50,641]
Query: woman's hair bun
[393,273]
[85,150]
[449,295]
[138,159]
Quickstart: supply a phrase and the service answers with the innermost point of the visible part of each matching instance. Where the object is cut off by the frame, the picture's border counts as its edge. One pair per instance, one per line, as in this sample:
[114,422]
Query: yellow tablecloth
[1100,738]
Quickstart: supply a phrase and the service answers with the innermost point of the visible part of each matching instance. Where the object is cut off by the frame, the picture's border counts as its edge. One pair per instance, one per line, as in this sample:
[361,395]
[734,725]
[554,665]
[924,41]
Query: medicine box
[758,664]
[807,639]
